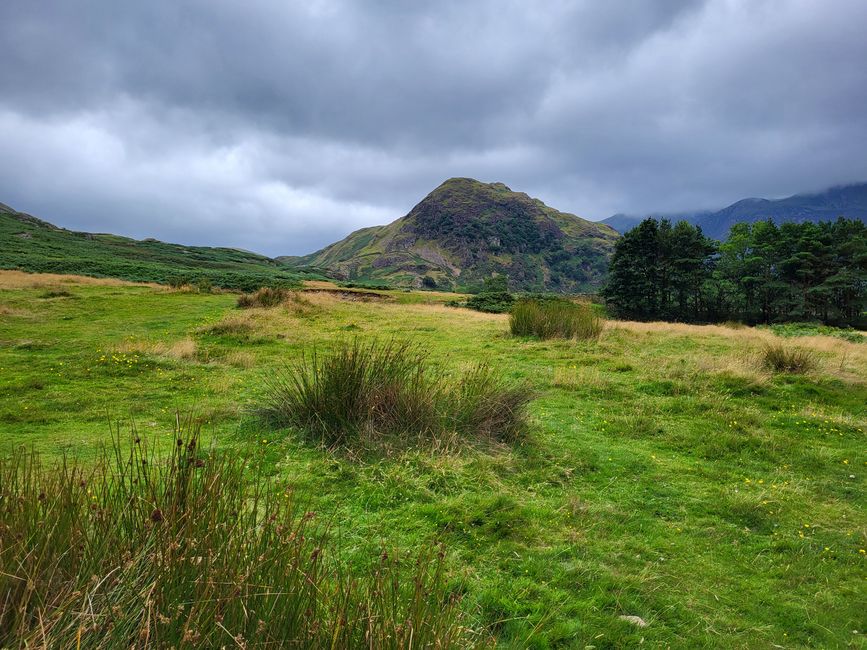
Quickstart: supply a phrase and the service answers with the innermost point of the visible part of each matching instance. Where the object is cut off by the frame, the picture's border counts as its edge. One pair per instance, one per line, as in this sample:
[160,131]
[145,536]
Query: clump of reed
[555,319]
[379,388]
[263,297]
[199,549]
[778,357]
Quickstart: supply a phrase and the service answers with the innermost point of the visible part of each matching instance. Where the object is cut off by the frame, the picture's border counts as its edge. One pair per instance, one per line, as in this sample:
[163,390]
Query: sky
[280,126]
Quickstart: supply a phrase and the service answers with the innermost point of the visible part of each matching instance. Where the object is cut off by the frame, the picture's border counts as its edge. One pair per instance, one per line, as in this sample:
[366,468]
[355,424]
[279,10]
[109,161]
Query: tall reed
[195,550]
[372,389]
[555,319]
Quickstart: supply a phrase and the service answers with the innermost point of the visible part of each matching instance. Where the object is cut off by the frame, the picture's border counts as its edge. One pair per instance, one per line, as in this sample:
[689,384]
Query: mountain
[30,244]
[844,201]
[465,231]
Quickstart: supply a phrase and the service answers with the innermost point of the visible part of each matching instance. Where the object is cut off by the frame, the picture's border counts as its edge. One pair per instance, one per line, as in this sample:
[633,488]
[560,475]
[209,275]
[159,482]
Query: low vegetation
[29,244]
[369,390]
[199,550]
[779,357]
[263,297]
[665,473]
[550,319]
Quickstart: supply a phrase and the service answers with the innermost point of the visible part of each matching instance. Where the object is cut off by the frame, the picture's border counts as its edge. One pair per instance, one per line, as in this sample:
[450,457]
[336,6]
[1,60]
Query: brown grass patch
[10,279]
[7,310]
[240,359]
[182,350]
[319,284]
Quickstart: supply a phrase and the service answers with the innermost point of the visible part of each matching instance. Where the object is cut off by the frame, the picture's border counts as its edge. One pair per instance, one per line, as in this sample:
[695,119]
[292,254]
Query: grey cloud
[280,126]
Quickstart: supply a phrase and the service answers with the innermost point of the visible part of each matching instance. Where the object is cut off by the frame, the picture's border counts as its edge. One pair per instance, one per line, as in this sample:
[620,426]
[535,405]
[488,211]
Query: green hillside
[33,245]
[465,231]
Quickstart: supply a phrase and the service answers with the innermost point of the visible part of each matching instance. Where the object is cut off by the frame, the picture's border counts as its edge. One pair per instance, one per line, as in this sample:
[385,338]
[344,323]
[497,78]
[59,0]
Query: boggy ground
[664,475]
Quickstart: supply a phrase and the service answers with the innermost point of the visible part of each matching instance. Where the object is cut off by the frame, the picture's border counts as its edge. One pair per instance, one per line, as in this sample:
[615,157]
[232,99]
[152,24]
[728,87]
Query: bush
[197,551]
[555,319]
[494,303]
[780,358]
[375,389]
[264,297]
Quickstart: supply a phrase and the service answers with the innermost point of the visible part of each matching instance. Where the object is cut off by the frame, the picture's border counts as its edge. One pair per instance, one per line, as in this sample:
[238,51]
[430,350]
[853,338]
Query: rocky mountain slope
[465,231]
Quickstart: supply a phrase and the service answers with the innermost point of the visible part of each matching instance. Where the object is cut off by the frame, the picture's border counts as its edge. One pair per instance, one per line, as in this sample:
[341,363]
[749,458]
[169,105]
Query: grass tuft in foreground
[555,319]
[778,357]
[381,388]
[198,550]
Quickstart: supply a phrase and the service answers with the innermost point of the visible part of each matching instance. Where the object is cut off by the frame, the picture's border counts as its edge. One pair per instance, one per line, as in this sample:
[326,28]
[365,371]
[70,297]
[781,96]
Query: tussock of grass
[388,388]
[264,297]
[195,551]
[777,357]
[182,350]
[555,319]
[230,326]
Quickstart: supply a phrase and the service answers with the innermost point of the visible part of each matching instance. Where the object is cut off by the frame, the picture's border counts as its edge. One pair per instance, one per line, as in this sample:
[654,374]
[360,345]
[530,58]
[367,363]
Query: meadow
[666,474]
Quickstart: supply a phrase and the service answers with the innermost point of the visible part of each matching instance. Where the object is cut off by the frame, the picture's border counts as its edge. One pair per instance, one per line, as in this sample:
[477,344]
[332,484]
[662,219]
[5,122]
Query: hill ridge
[465,230]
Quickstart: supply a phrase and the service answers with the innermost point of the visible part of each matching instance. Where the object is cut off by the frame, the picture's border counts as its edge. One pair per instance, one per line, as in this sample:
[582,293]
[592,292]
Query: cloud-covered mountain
[844,201]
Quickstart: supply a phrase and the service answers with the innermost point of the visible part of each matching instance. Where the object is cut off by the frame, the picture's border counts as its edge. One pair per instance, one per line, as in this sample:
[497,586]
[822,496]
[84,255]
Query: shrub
[781,358]
[204,285]
[264,297]
[386,388]
[494,303]
[555,319]
[195,551]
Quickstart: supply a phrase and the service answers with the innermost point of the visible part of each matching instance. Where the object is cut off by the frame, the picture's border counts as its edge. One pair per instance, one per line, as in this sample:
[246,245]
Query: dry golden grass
[7,310]
[837,357]
[318,284]
[182,350]
[240,359]
[21,280]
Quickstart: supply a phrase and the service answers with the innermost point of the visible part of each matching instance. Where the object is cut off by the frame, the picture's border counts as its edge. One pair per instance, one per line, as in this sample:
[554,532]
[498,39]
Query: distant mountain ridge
[842,201]
[465,231]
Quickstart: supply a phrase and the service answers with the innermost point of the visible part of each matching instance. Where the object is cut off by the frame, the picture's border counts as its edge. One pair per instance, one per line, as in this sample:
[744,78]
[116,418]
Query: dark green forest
[763,273]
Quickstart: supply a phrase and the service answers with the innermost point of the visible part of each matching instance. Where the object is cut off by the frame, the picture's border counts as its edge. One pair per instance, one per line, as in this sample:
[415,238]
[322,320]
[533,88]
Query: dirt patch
[358,295]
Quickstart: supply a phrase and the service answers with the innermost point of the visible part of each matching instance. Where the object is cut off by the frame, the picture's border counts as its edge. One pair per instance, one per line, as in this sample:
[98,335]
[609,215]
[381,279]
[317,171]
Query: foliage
[38,247]
[779,357]
[762,274]
[494,303]
[199,550]
[555,319]
[373,389]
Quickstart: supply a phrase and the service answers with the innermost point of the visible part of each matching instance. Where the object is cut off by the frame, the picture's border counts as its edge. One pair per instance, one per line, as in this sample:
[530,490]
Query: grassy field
[665,475]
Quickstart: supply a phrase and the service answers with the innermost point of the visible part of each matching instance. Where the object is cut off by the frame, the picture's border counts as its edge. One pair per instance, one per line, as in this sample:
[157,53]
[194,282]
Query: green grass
[663,475]
[790,330]
[32,245]
[203,549]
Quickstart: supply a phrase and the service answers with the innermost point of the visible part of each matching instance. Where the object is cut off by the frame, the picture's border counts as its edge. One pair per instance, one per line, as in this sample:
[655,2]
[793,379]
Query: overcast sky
[281,126]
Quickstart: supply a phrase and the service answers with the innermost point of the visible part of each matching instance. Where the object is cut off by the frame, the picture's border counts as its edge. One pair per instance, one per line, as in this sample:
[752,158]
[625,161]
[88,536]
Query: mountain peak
[466,230]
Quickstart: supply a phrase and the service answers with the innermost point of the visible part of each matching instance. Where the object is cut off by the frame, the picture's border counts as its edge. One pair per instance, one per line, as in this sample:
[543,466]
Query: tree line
[763,273]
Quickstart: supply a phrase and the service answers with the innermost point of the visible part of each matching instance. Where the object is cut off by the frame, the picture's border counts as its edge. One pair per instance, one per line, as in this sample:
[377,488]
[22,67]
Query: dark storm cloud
[280,126]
